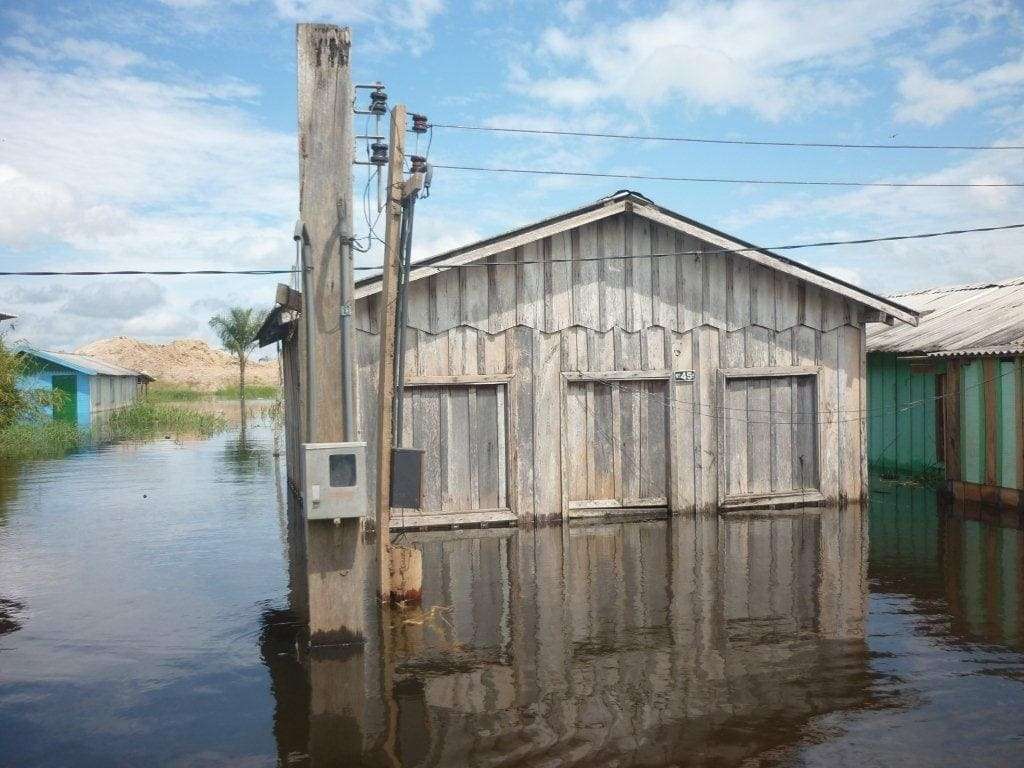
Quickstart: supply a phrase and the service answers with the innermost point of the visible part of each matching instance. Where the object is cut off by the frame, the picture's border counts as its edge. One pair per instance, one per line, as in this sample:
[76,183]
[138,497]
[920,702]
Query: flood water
[145,620]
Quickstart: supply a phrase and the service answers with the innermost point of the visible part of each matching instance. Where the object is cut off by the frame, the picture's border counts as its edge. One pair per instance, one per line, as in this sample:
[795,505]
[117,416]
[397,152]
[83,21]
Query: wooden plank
[547,402]
[653,348]
[787,302]
[689,285]
[738,293]
[432,355]
[446,309]
[521,437]
[849,417]
[501,399]
[990,373]
[759,448]
[828,405]
[474,293]
[494,355]
[462,380]
[773,262]
[529,282]
[951,421]
[586,302]
[782,432]
[683,414]
[418,306]
[602,418]
[706,361]
[487,455]
[715,304]
[642,284]
[654,445]
[502,289]
[426,420]
[762,296]
[457,495]
[475,450]
[733,451]
[769,370]
[610,503]
[617,375]
[613,289]
[455,519]
[557,283]
[630,404]
[508,243]
[288,297]
[575,451]
[665,308]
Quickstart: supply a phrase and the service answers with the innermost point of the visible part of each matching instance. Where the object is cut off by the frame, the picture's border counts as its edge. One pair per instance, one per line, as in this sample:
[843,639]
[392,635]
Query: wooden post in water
[386,380]
[339,562]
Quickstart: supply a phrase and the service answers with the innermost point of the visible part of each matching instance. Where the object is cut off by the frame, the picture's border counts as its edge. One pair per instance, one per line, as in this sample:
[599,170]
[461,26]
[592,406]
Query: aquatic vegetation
[40,439]
[145,419]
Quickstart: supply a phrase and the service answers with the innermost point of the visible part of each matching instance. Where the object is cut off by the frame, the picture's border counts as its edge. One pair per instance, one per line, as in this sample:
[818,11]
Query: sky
[151,135]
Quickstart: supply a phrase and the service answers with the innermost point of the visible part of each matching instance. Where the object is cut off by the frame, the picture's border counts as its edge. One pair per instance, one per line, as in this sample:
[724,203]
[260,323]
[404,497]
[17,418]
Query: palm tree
[237,333]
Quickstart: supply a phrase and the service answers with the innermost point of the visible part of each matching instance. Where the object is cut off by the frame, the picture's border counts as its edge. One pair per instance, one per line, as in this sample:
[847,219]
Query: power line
[703,140]
[722,180]
[96,272]
[792,247]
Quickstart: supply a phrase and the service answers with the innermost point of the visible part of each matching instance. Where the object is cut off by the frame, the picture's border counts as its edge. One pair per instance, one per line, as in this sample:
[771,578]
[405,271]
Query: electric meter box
[334,480]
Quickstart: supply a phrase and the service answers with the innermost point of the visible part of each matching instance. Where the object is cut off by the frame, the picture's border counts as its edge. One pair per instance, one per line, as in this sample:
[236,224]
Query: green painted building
[946,397]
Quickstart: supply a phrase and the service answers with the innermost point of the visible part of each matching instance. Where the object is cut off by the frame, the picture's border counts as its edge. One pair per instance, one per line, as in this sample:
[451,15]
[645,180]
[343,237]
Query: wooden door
[615,444]
[770,436]
[66,409]
[462,430]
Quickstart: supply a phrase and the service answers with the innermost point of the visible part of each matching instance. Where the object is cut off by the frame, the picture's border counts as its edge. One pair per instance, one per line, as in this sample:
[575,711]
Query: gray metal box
[334,480]
[407,478]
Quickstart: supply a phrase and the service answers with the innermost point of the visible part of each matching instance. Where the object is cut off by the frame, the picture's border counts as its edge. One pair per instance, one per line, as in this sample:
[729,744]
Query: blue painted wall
[41,377]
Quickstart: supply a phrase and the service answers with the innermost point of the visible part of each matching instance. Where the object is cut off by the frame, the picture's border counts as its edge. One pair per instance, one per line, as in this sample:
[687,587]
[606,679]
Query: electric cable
[705,140]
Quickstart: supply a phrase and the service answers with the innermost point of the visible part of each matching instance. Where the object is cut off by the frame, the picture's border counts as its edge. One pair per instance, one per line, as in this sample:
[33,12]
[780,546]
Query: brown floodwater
[146,619]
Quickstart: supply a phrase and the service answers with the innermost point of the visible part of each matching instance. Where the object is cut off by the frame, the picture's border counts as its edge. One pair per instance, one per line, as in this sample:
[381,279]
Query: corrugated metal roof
[975,319]
[87,364]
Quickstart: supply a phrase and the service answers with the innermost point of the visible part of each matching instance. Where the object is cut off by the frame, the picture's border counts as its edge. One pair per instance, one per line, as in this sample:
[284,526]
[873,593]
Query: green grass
[252,392]
[145,419]
[40,440]
[168,393]
[51,439]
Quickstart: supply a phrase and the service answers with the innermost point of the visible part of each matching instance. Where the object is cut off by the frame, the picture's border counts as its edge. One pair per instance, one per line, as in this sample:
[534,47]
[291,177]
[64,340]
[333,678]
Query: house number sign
[684,375]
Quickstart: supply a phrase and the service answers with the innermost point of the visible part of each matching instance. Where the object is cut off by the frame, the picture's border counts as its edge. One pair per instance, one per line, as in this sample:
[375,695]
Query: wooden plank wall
[700,313]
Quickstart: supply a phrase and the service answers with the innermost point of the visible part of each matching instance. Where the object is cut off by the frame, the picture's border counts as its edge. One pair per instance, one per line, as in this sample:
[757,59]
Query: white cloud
[930,100]
[772,57]
[408,14]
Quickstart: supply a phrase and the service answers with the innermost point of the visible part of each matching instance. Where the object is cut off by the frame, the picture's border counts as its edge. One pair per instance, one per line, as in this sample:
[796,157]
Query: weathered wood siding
[551,327]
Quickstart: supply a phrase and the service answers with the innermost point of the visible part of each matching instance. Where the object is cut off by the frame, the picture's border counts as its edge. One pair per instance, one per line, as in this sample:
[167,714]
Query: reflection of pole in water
[638,642]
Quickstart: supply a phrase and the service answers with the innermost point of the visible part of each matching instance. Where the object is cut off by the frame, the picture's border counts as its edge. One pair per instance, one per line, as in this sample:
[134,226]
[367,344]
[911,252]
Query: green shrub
[40,439]
[145,419]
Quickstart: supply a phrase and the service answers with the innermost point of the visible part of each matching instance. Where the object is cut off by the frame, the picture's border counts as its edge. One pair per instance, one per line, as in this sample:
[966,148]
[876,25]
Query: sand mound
[186,362]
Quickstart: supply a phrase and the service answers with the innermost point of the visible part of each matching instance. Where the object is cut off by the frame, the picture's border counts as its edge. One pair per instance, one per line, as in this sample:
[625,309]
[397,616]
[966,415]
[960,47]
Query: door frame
[598,507]
[72,405]
[770,500]
[472,517]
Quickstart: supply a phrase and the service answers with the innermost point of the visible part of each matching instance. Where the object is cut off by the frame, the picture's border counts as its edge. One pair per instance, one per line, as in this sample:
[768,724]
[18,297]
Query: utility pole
[386,325]
[339,565]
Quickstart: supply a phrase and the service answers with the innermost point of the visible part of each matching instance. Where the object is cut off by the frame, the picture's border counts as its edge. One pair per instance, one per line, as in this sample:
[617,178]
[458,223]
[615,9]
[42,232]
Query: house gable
[576,247]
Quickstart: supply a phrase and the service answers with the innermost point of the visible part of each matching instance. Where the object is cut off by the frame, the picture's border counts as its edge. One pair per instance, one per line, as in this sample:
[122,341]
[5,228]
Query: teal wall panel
[972,415]
[901,421]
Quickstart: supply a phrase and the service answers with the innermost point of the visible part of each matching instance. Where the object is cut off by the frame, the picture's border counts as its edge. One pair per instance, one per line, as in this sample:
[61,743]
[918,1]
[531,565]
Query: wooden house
[91,387]
[946,396]
[618,357]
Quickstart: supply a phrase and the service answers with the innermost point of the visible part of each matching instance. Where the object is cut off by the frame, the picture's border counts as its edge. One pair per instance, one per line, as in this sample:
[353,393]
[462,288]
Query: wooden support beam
[289,298]
[386,325]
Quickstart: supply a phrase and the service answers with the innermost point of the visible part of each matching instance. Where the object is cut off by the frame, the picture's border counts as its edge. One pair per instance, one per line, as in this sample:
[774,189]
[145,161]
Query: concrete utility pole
[339,564]
[386,325]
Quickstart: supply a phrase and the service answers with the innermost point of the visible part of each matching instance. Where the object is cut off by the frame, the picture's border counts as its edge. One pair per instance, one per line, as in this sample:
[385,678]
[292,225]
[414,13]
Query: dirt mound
[185,362]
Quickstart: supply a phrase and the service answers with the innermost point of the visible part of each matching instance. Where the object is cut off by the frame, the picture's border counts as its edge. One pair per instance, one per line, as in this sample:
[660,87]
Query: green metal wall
[901,416]
[974,388]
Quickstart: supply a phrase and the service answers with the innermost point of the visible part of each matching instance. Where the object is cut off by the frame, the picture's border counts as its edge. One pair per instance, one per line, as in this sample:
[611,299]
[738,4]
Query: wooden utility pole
[339,565]
[325,197]
[386,379]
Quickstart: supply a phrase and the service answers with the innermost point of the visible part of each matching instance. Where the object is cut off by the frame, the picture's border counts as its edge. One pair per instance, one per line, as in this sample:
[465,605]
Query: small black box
[407,478]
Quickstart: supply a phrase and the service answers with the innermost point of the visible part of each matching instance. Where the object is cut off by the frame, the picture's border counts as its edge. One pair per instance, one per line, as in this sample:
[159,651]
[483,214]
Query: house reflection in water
[698,640]
[961,563]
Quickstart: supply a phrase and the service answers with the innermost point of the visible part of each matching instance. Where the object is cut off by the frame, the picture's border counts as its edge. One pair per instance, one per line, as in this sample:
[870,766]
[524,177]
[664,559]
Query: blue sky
[162,134]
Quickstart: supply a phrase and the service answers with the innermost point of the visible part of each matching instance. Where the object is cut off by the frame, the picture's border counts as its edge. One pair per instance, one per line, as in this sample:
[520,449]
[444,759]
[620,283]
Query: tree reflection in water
[699,641]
